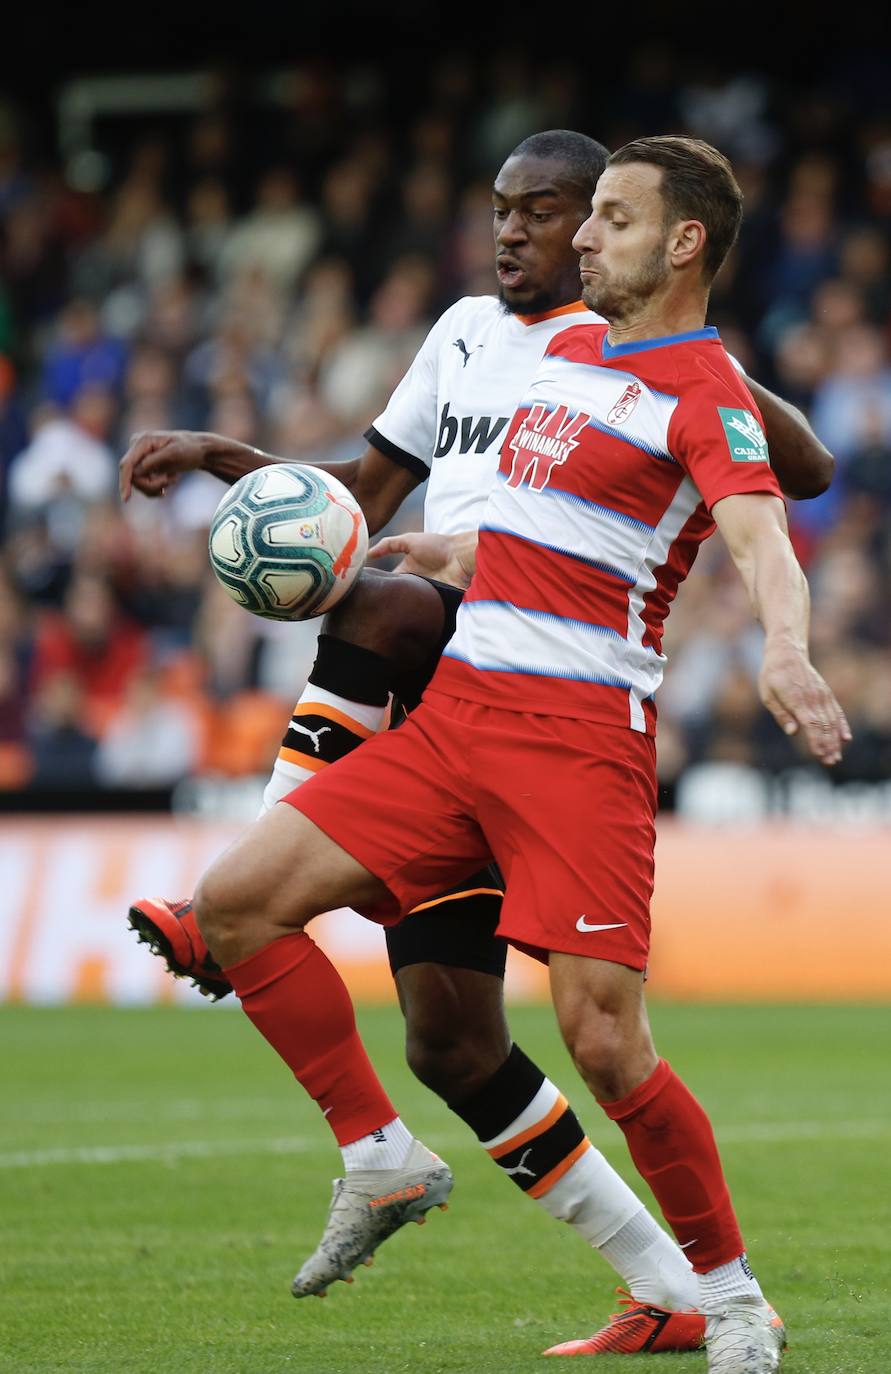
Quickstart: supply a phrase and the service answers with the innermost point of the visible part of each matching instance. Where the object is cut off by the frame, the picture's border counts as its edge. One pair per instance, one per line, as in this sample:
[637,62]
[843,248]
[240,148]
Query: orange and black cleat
[171,932]
[640,1329]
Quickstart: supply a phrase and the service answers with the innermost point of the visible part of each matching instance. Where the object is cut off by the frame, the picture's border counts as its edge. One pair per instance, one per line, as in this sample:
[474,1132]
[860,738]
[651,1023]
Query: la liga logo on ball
[287,542]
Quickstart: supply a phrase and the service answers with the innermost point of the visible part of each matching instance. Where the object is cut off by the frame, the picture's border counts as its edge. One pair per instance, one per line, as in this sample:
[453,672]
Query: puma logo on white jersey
[313,734]
[466,353]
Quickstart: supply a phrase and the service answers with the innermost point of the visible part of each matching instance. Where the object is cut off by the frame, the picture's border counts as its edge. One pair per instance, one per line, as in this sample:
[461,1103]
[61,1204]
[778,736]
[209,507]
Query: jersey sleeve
[717,435]
[406,429]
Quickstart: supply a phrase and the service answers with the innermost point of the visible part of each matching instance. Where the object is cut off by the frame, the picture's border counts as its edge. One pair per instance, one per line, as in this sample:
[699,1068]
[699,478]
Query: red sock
[298,1002]
[673,1146]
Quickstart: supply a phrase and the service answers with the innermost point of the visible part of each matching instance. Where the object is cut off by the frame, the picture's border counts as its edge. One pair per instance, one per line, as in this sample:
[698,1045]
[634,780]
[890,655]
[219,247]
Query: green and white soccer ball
[288,541]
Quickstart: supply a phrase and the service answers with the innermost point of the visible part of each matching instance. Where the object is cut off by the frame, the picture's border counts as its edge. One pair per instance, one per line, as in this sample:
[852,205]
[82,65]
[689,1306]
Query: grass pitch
[162,1178]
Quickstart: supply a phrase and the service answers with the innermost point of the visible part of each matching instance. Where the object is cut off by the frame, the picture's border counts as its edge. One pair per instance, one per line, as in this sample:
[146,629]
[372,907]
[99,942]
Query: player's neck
[660,317]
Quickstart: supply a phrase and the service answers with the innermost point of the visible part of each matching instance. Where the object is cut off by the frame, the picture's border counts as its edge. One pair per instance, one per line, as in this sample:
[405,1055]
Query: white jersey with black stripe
[447,419]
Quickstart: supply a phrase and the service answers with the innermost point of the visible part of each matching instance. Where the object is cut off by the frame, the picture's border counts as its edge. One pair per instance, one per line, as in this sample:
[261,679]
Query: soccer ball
[288,541]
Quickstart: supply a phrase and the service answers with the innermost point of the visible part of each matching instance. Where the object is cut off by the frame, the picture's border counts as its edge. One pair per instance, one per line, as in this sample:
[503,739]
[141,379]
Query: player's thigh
[397,615]
[456,929]
[410,684]
[402,806]
[570,809]
[285,869]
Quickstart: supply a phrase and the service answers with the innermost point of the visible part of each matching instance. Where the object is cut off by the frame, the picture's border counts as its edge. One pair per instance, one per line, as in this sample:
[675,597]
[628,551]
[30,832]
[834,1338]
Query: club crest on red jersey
[625,404]
[544,440]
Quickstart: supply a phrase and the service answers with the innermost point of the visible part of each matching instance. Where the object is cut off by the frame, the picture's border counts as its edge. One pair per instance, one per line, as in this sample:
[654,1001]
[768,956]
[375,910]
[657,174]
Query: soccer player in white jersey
[449,416]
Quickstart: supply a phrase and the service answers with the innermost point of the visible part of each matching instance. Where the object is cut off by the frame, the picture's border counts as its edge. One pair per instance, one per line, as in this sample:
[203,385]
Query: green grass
[148,1258]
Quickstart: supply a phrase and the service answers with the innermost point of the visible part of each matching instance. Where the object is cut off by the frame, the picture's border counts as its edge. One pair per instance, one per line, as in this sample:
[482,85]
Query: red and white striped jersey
[447,418]
[608,473]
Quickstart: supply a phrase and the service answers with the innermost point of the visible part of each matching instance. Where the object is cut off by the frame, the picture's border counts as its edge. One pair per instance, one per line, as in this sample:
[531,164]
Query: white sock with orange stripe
[323,727]
[544,1150]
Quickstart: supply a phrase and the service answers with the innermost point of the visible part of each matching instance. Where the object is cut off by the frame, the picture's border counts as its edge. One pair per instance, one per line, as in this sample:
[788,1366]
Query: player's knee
[612,1056]
[428,1060]
[444,1064]
[456,1036]
[219,912]
[397,616]
[451,1063]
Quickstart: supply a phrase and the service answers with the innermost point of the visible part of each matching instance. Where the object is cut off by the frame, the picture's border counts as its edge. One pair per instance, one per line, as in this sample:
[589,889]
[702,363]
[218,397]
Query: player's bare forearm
[445,557]
[157,459]
[803,465]
[229,459]
[755,530]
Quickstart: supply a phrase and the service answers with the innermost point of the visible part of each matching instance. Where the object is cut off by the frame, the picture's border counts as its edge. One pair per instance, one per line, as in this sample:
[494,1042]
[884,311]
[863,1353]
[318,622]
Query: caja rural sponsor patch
[745,437]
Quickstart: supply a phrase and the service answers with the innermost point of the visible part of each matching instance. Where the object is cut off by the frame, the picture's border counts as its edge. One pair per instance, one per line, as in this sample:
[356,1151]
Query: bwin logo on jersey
[745,437]
[476,432]
[544,440]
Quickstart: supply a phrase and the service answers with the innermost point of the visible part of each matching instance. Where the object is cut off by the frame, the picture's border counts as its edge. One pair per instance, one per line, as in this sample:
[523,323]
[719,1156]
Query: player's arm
[755,530]
[803,466]
[380,478]
[378,482]
[155,460]
[445,557]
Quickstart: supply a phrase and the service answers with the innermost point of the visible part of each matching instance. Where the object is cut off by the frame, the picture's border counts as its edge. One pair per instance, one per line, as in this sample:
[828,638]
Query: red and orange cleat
[640,1329]
[171,931]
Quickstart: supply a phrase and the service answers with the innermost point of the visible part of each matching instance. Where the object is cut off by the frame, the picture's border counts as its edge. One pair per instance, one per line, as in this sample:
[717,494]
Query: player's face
[536,214]
[623,242]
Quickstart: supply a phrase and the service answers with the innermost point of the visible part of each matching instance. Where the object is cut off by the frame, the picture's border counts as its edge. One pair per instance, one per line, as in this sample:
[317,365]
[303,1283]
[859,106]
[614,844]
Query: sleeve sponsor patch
[745,437]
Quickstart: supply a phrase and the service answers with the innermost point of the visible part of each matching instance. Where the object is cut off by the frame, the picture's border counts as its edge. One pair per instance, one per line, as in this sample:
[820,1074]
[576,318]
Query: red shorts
[566,808]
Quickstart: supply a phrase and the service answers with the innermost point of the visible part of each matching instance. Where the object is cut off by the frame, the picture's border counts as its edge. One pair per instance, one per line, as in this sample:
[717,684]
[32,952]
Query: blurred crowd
[267,269]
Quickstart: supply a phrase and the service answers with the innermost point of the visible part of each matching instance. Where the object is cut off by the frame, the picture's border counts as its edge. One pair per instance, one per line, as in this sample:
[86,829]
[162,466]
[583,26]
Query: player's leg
[449,969]
[252,907]
[601,1012]
[390,624]
[577,850]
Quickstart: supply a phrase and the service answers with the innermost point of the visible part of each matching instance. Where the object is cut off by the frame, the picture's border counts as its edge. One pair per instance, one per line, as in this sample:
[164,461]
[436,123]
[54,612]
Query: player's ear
[686,242]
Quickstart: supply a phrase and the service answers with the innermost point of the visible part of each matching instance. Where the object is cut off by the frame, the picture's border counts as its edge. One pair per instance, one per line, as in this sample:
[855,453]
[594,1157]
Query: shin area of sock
[673,1147]
[297,1000]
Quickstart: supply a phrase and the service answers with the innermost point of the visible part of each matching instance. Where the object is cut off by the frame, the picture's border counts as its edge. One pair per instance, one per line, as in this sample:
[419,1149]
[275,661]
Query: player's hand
[156,458]
[445,557]
[799,700]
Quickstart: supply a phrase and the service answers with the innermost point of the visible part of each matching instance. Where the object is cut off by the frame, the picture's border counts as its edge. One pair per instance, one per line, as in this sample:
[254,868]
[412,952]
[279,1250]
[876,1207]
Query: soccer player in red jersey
[449,986]
[535,740]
